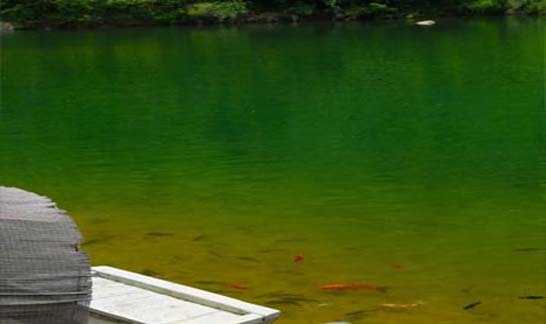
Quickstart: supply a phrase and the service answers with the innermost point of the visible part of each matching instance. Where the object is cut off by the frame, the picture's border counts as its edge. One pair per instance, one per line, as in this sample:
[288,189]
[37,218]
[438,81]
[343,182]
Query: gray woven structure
[44,278]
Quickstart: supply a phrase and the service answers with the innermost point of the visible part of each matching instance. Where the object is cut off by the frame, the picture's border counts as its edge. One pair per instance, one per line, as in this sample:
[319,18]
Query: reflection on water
[383,154]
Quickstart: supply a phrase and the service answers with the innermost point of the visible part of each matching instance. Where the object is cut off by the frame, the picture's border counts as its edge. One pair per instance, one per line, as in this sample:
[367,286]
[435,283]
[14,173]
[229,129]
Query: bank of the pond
[68,14]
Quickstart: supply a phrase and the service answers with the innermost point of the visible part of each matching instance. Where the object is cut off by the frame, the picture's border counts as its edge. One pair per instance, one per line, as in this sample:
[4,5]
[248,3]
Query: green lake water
[383,153]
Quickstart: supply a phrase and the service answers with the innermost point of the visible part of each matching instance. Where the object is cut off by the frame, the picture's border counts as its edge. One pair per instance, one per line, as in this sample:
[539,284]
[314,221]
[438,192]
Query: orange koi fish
[353,287]
[298,258]
[237,286]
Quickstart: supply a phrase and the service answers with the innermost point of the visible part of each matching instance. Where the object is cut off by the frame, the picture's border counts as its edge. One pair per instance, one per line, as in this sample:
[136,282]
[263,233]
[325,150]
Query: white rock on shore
[425,23]
[5,27]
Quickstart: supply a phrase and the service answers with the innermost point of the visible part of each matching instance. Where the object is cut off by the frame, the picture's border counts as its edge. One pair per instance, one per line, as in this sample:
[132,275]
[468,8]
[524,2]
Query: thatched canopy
[44,278]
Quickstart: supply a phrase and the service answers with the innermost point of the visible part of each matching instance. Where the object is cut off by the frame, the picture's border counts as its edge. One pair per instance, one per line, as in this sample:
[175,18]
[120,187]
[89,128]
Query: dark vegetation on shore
[94,13]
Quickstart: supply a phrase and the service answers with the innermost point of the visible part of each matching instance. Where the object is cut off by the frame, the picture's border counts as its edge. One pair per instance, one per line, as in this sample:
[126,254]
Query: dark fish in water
[211,282]
[214,253]
[531,297]
[359,314]
[283,302]
[277,294]
[150,273]
[288,297]
[159,234]
[249,259]
[290,272]
[468,289]
[199,237]
[94,241]
[530,250]
[470,306]
[299,299]
[353,287]
[289,240]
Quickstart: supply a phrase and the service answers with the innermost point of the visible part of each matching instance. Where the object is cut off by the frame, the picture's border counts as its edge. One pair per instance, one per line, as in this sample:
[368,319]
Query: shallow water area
[384,154]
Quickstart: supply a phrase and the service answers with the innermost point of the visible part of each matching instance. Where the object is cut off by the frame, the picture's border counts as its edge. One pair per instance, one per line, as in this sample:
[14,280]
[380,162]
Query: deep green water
[214,156]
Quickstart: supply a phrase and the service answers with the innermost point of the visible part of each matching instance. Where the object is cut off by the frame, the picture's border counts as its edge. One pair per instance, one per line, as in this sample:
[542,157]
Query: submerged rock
[159,234]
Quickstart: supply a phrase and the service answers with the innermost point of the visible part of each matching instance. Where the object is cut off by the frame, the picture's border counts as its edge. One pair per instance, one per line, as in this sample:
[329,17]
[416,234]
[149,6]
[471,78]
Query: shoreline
[259,18]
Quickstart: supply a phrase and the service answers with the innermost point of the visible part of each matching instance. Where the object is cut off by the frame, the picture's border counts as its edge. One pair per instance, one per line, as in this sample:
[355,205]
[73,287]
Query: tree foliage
[67,13]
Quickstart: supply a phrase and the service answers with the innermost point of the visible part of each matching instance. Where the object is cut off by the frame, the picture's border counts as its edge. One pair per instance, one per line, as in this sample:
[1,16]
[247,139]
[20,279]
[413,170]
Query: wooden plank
[186,293]
[140,305]
[224,318]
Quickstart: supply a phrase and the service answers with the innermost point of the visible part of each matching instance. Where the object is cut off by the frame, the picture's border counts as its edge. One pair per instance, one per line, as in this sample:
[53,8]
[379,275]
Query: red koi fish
[353,287]
[298,258]
[237,286]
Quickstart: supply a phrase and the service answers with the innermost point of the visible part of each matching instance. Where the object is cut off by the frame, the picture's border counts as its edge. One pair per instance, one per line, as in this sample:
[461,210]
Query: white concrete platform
[125,297]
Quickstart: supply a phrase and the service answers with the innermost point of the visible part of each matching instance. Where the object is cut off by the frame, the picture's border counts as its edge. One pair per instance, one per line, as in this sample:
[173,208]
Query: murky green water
[385,154]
